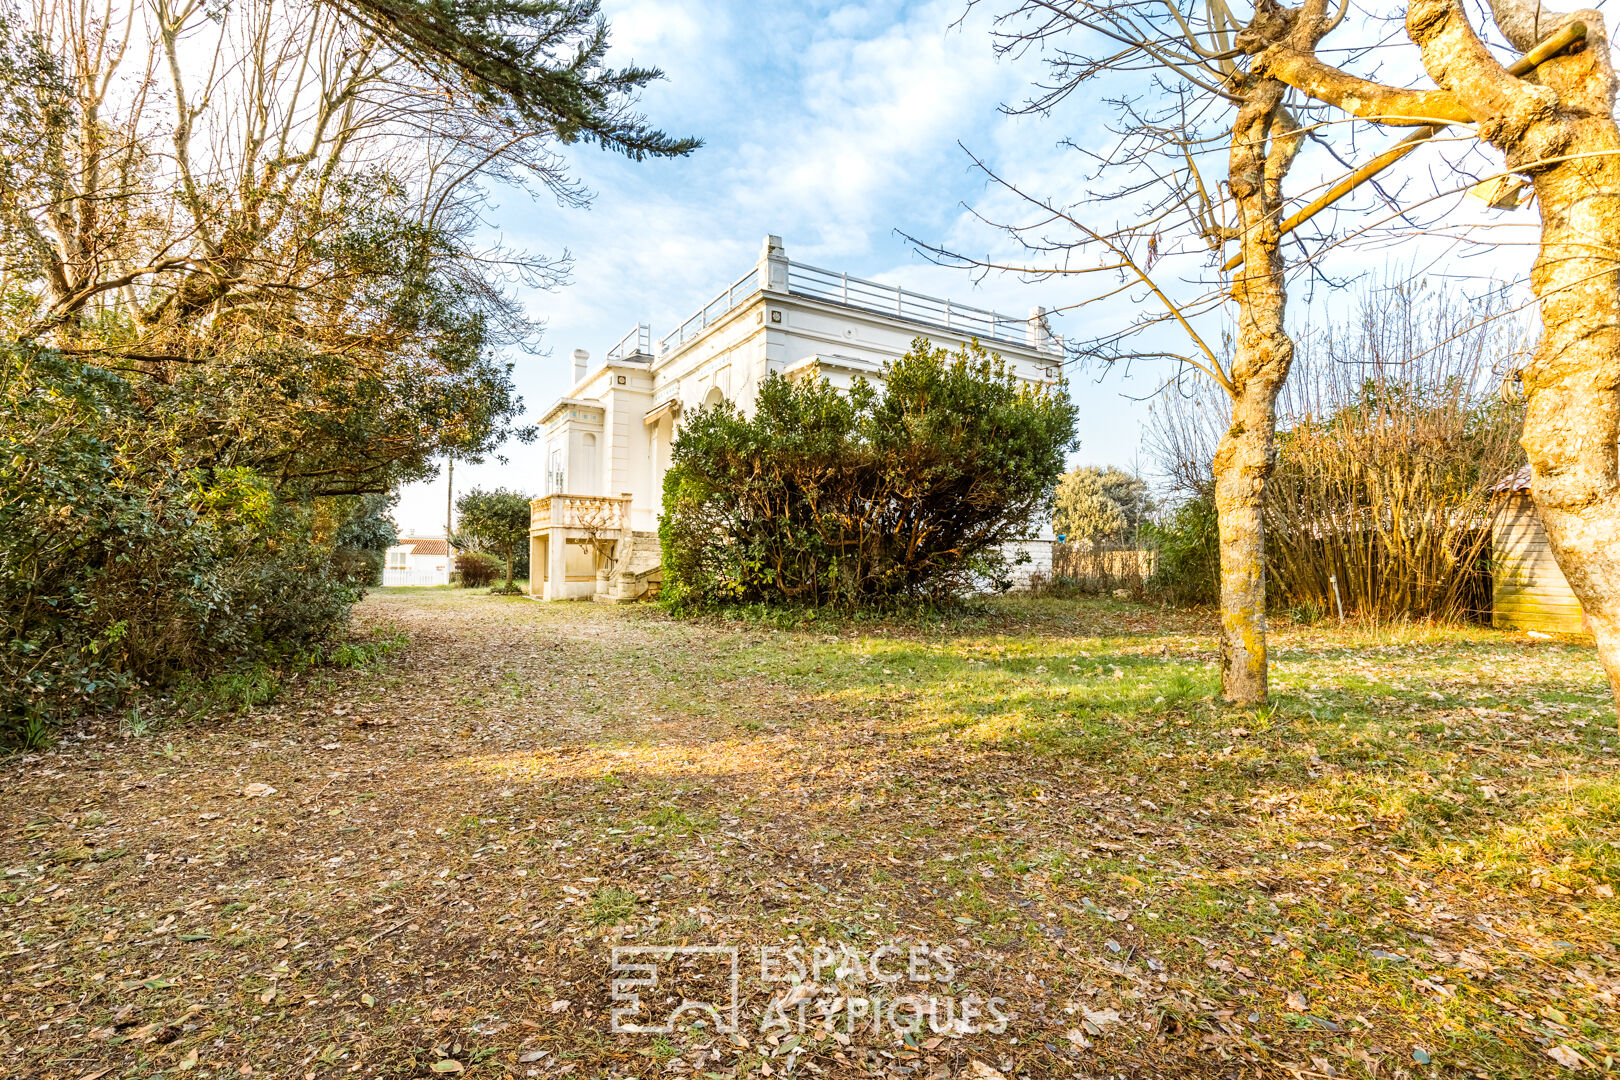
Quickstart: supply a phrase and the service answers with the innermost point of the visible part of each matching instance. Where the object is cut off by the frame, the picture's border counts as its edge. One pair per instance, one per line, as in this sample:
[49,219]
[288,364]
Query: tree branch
[1369,100]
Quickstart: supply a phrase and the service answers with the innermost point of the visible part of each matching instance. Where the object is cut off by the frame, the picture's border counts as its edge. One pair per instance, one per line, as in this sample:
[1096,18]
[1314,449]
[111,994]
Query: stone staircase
[636,574]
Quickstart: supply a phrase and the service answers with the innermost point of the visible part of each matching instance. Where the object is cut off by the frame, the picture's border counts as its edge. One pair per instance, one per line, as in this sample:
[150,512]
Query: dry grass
[1406,867]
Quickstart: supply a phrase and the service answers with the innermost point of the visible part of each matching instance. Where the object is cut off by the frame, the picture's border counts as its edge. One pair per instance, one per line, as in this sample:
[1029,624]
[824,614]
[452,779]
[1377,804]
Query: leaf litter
[422,870]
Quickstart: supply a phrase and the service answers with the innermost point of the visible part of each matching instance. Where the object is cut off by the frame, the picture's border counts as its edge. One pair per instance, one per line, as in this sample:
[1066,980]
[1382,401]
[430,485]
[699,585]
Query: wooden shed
[1529,592]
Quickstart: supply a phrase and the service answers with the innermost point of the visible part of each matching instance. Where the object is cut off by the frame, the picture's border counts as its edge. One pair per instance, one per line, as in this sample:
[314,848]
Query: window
[398,559]
[554,472]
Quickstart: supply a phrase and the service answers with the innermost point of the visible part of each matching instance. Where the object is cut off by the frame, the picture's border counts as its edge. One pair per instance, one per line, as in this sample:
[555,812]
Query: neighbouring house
[417,561]
[593,534]
[1528,591]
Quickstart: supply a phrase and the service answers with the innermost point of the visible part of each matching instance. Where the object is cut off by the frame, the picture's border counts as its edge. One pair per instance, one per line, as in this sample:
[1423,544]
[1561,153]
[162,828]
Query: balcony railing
[874,296]
[596,512]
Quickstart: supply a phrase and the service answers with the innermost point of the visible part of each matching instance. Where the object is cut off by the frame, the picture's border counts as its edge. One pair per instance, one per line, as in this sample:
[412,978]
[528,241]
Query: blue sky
[831,125]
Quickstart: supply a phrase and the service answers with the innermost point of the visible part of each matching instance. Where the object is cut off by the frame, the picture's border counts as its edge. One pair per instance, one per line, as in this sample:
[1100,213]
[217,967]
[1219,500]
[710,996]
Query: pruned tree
[493,520]
[1551,116]
[1205,98]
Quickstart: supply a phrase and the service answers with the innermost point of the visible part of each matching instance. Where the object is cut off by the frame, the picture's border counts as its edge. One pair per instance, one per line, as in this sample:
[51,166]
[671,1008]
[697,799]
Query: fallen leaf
[447,1065]
[367,1000]
[1296,1001]
[1098,1021]
[978,1070]
[258,791]
[559,1006]
[1566,1057]
[189,1061]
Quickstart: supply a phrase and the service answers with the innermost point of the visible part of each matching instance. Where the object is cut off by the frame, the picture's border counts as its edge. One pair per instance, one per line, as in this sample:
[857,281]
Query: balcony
[588,513]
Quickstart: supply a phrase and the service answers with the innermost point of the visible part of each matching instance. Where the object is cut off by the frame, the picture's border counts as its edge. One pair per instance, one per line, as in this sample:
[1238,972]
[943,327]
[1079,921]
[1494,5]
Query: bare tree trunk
[1263,145]
[1560,129]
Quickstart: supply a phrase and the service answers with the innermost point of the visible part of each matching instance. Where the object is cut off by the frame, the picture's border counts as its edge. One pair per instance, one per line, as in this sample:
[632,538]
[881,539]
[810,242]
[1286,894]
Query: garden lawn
[420,866]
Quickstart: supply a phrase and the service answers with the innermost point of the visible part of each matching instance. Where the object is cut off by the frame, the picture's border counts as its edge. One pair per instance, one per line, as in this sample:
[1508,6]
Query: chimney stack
[581,357]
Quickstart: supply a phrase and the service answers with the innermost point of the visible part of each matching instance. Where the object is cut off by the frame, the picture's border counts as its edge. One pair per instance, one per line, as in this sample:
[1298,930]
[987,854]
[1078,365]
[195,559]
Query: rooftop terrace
[813,282]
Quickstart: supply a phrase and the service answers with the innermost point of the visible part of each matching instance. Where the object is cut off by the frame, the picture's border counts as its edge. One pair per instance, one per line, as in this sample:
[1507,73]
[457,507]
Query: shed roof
[1519,481]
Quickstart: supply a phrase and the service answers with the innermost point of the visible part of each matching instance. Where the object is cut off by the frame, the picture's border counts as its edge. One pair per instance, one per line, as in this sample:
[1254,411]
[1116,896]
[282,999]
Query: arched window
[714,397]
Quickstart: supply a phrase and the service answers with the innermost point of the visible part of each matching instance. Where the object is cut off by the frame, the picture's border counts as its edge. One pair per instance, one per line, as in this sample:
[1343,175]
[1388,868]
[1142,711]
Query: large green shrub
[830,496]
[124,563]
[478,569]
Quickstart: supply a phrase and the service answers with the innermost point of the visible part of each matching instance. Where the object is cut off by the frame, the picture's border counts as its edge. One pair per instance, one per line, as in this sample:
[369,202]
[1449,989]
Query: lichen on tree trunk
[1264,141]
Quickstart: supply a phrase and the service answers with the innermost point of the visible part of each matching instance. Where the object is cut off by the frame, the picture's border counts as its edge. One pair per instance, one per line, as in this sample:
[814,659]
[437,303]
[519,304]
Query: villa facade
[593,534]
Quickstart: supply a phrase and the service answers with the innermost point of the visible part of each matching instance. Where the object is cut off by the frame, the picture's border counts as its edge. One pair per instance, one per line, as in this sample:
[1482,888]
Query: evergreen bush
[478,569]
[854,497]
[126,563]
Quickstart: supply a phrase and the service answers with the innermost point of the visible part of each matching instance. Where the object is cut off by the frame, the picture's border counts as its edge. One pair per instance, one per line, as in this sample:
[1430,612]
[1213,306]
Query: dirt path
[446,842]
[423,870]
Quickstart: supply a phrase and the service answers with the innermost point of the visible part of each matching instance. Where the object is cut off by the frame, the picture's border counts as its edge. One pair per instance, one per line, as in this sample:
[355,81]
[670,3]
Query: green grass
[611,905]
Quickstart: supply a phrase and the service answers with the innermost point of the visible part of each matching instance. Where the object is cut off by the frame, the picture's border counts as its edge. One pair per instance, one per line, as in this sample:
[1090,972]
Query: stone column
[773,266]
[1038,335]
[556,565]
[537,565]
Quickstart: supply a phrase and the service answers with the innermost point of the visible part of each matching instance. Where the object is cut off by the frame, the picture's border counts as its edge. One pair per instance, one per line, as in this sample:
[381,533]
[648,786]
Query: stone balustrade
[596,512]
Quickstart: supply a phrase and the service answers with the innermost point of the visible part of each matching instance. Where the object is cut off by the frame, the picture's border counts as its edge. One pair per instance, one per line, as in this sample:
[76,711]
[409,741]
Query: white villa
[593,535]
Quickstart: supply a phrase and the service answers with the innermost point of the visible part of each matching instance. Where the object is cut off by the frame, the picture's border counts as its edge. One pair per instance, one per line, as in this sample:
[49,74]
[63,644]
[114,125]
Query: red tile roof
[426,547]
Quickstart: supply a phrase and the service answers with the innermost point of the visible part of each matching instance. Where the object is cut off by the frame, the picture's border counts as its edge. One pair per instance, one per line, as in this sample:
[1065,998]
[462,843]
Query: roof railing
[711,312]
[817,283]
[637,342]
[982,323]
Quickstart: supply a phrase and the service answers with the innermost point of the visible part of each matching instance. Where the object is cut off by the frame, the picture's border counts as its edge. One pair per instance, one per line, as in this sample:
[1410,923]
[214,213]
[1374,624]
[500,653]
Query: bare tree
[1551,115]
[276,195]
[1206,99]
